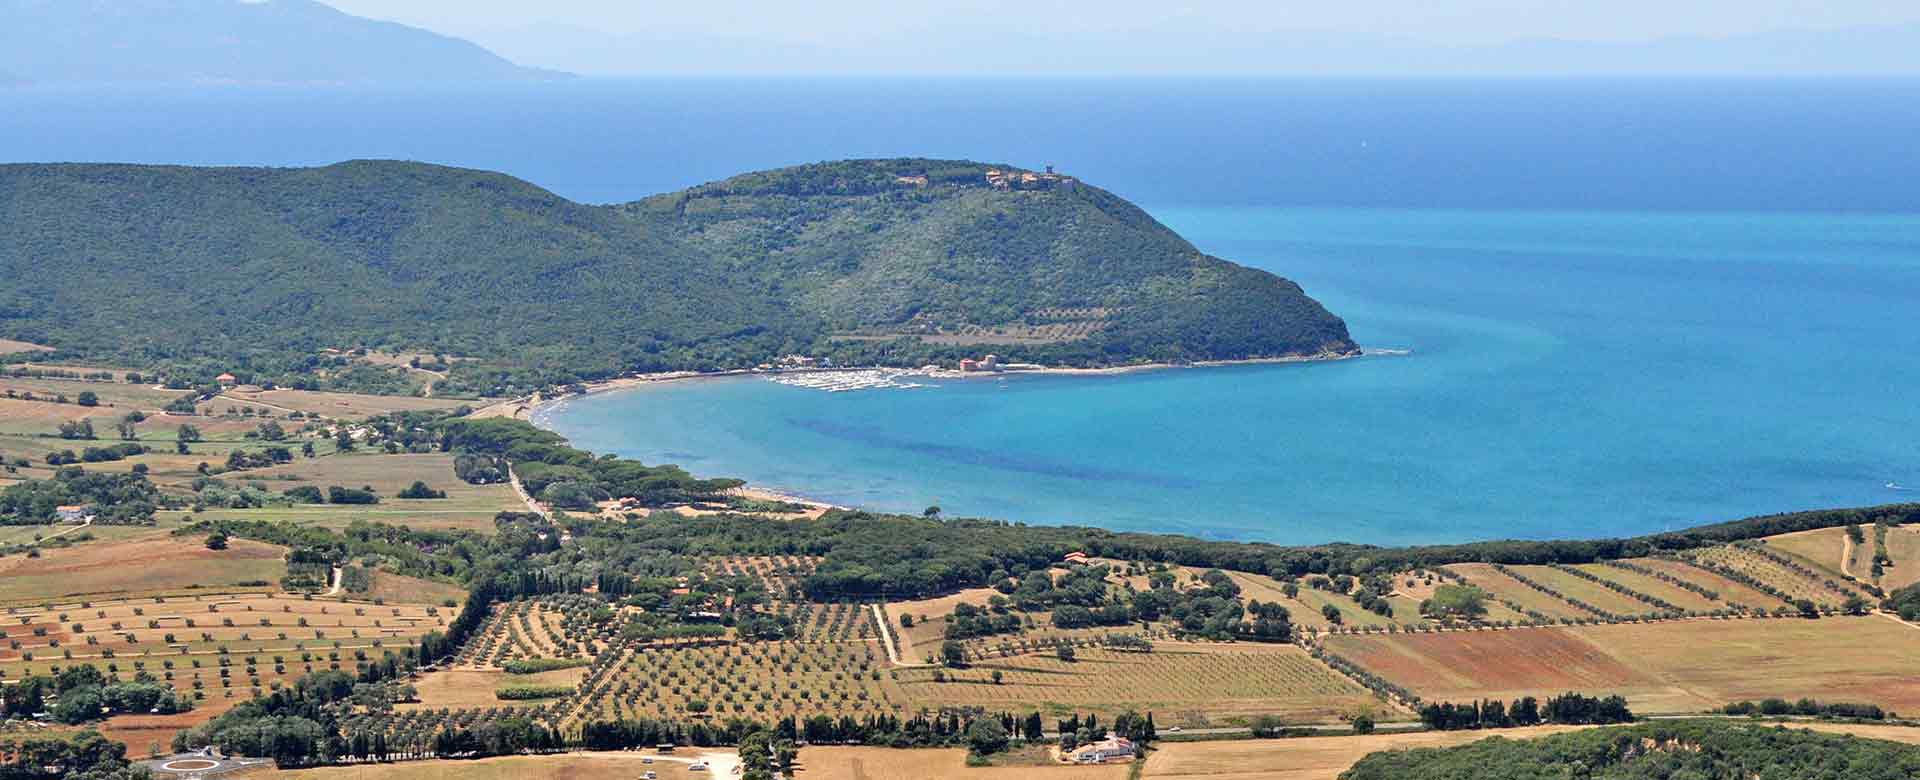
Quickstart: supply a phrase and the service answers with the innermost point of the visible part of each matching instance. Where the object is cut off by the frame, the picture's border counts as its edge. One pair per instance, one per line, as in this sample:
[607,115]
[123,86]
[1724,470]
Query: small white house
[74,514]
[1111,749]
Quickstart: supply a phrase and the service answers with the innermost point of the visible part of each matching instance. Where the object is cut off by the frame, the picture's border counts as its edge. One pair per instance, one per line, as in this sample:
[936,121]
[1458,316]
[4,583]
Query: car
[646,759]
[650,775]
[697,766]
[1174,729]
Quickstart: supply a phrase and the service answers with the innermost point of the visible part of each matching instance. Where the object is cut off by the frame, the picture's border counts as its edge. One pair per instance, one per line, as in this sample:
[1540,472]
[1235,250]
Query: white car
[1173,729]
[650,775]
[697,766]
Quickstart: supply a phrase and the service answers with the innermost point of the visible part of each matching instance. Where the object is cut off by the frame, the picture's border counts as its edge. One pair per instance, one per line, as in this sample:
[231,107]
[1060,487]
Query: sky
[1093,35]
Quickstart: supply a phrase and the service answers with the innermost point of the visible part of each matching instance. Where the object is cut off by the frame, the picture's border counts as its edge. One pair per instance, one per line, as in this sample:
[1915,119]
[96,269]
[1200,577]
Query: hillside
[868,261]
[278,41]
[1683,749]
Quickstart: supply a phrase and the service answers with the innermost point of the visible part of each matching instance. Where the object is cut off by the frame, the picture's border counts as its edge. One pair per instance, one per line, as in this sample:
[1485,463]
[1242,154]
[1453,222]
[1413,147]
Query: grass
[273,639]
[1587,592]
[1304,758]
[137,564]
[1503,587]
[930,620]
[1208,681]
[764,681]
[878,763]
[475,687]
[573,766]
[1730,592]
[466,507]
[1670,667]
[9,346]
[1788,581]
[124,397]
[340,406]
[1822,548]
[398,588]
[1672,594]
[1903,546]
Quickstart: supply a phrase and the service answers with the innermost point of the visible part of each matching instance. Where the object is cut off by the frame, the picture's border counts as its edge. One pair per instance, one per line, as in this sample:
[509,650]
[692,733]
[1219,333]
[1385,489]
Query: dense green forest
[1684,750]
[256,270]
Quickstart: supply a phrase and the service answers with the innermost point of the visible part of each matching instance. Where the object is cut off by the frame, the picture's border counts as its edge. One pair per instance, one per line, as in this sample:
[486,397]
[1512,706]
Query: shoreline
[1013,369]
[525,407]
[529,407]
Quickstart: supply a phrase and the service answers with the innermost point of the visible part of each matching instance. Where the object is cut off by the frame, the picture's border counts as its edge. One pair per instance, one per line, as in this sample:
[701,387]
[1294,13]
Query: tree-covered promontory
[871,261]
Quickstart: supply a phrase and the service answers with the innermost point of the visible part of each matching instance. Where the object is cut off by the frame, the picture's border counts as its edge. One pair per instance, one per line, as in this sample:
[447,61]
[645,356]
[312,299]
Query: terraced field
[1507,589]
[1676,595]
[1731,593]
[1796,585]
[1585,591]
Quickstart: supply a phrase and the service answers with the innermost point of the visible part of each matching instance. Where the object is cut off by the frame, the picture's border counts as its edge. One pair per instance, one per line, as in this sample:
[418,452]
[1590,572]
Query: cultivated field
[1670,667]
[761,680]
[1200,683]
[1827,547]
[337,406]
[1903,546]
[475,688]
[8,346]
[466,507]
[148,562]
[216,648]
[1730,592]
[1820,587]
[1306,758]
[1584,591]
[930,620]
[877,763]
[1504,588]
[571,766]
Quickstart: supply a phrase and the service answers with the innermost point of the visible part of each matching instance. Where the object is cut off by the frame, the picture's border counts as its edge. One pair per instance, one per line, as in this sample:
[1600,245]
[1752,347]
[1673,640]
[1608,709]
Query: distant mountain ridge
[1202,50]
[237,41]
[895,261]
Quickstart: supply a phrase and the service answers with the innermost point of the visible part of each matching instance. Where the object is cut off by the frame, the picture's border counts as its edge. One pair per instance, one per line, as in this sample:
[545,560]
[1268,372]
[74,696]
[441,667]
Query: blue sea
[1628,306]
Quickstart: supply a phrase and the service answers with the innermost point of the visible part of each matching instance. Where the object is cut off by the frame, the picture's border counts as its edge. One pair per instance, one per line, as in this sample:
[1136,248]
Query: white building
[1110,749]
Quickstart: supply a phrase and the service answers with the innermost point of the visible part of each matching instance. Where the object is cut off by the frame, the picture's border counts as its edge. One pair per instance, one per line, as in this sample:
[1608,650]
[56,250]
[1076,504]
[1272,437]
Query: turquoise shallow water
[1572,374]
[1632,363]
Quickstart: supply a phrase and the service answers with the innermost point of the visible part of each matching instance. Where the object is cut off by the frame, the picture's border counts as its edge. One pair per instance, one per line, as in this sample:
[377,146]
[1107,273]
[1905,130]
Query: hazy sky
[1118,35]
[1455,21]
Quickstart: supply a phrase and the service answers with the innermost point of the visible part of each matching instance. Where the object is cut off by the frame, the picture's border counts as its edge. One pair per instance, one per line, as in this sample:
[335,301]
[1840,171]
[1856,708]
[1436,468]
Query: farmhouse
[226,380]
[1110,749]
[73,514]
[1075,558]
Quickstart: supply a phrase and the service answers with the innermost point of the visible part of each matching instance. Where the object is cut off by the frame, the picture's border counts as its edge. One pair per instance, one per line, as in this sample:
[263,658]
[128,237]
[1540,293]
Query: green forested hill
[897,260]
[1677,750]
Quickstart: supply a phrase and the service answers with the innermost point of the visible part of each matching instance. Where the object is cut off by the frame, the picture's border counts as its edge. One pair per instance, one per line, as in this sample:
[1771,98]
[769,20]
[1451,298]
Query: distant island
[229,41]
[865,262]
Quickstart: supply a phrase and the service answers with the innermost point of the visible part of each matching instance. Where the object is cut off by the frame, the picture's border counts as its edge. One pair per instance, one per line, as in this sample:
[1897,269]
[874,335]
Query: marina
[849,380]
